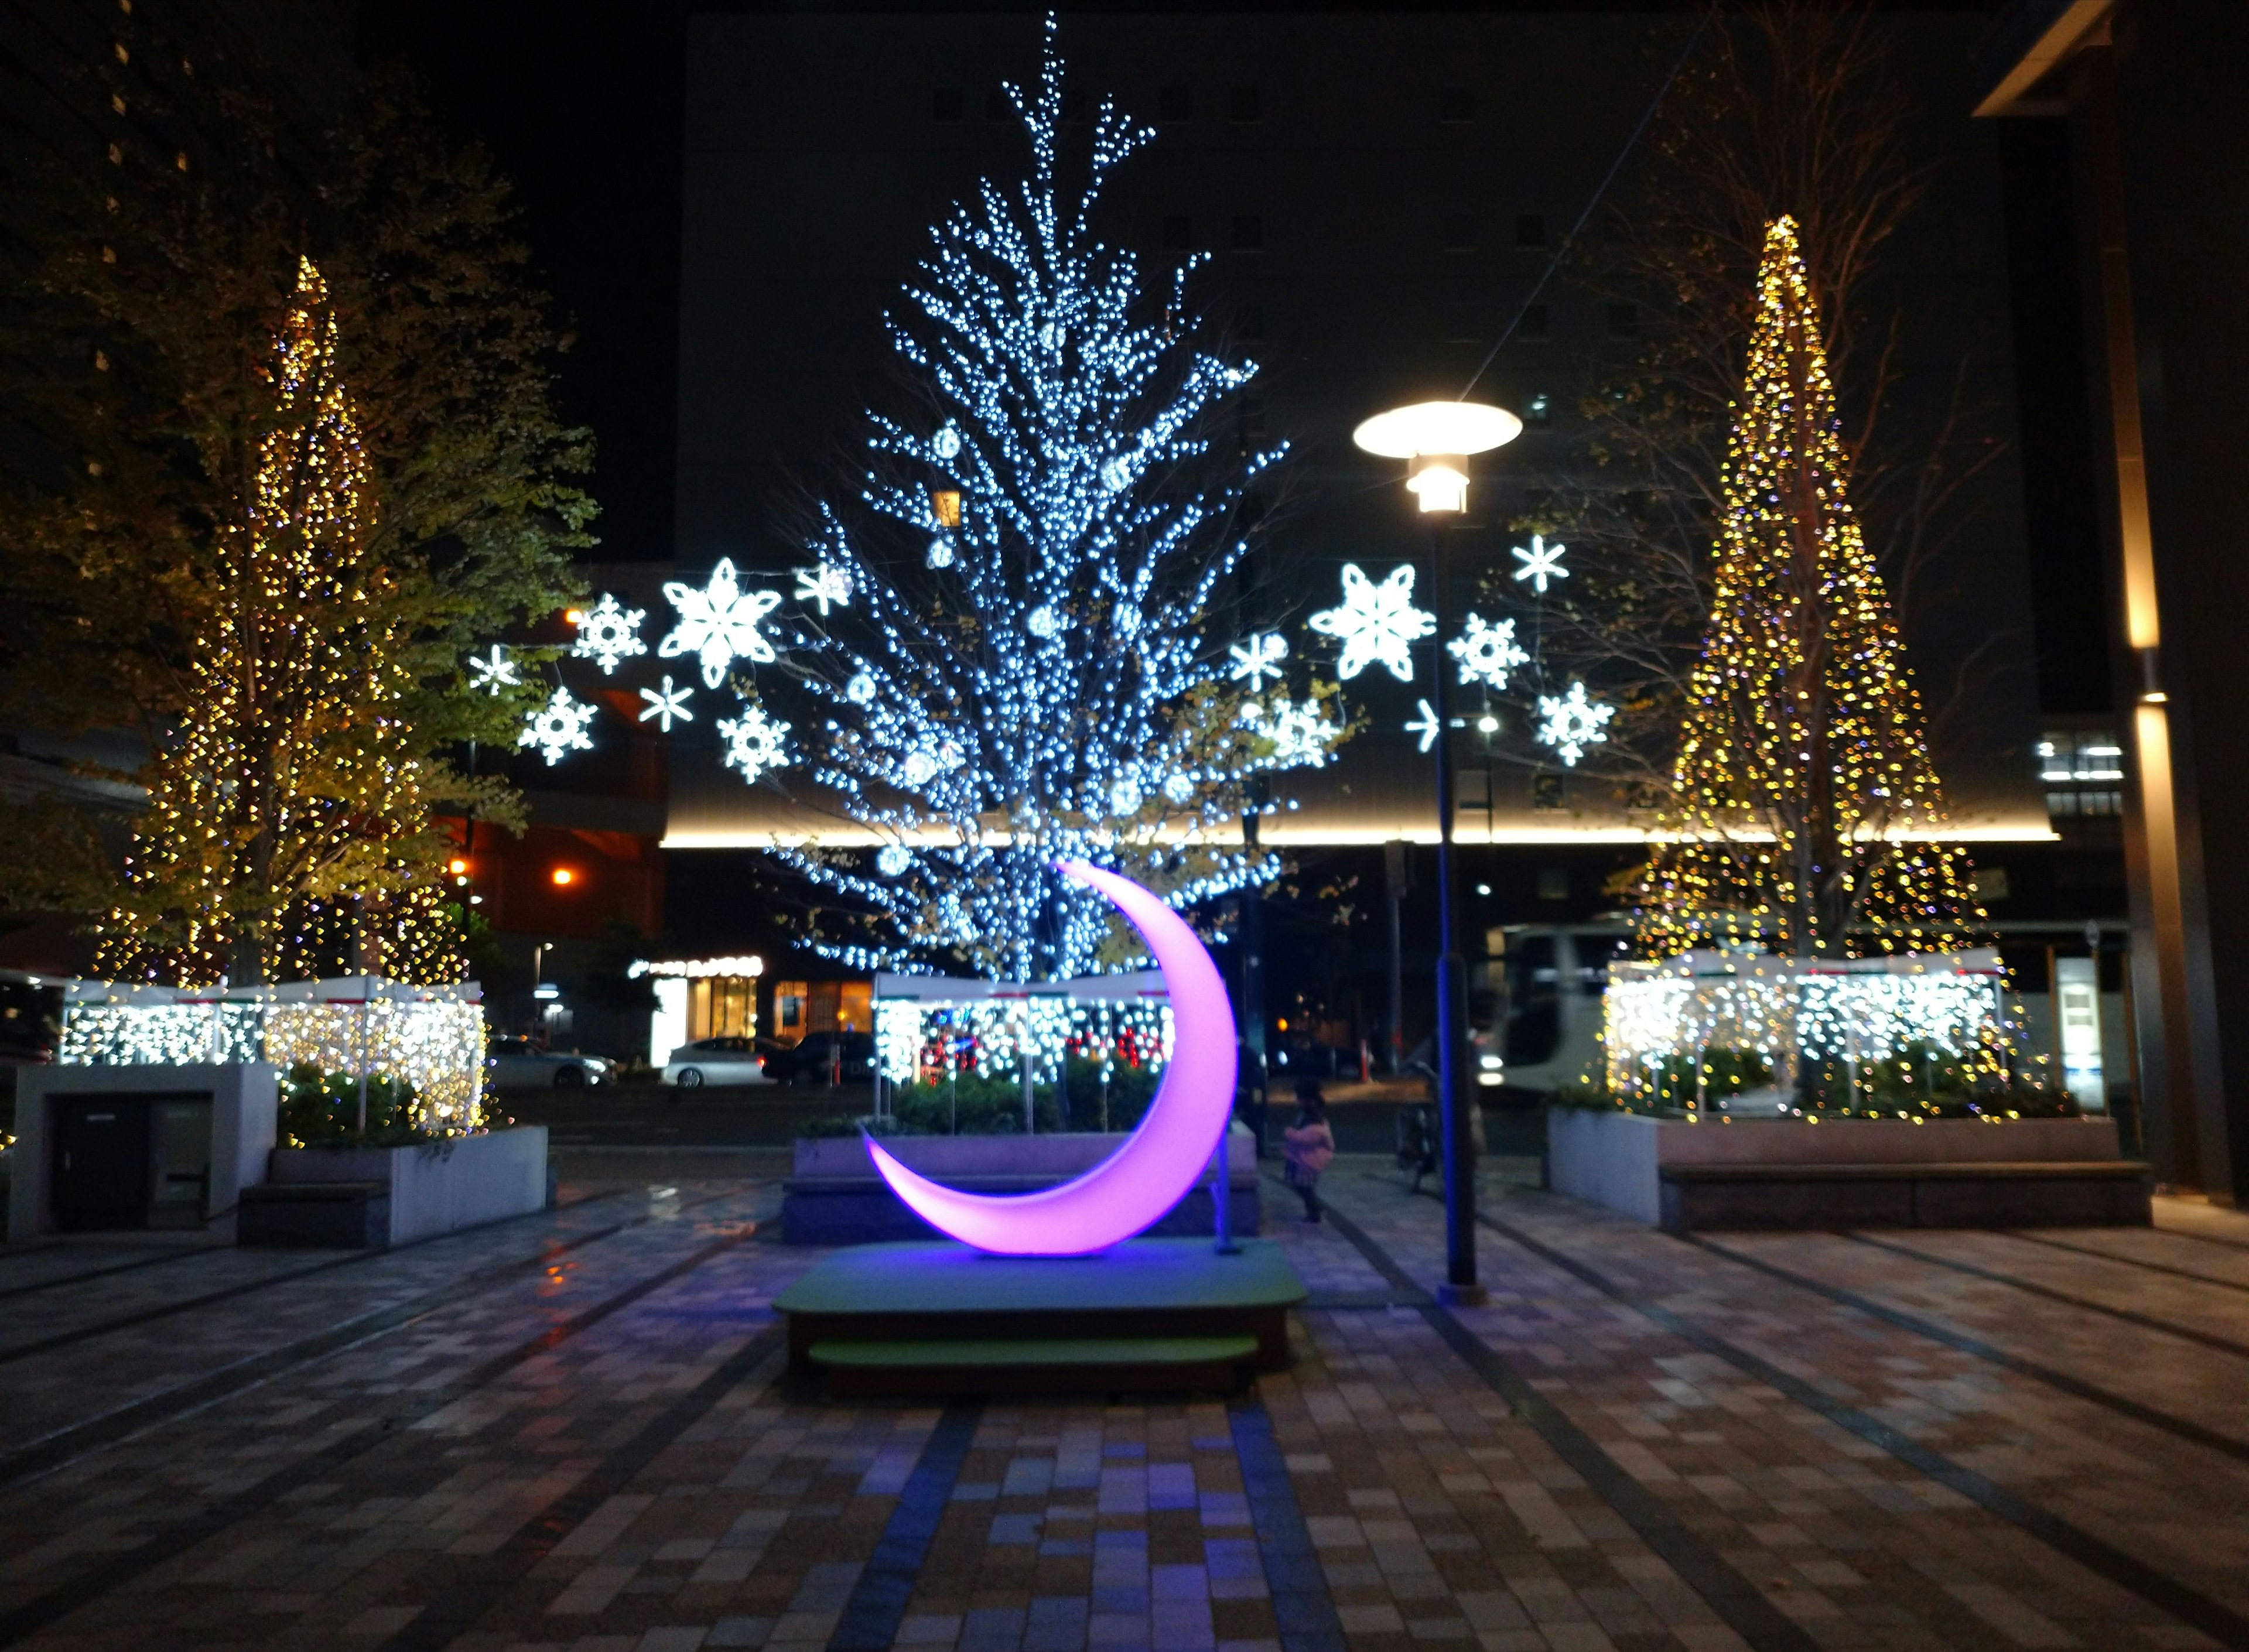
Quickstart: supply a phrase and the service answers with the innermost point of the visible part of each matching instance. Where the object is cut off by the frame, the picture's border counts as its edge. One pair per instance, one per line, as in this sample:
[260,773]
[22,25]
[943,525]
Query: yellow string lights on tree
[1803,808]
[288,826]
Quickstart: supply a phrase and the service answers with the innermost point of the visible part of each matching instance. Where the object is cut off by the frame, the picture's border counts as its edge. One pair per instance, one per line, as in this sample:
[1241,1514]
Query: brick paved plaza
[571,1431]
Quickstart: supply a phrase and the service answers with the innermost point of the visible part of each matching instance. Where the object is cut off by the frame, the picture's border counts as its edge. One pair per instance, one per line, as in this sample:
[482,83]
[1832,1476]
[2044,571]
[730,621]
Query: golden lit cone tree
[289,805]
[1804,811]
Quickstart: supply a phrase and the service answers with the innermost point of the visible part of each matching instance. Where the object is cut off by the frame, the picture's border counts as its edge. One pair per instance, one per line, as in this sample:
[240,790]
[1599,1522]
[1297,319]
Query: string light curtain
[287,821]
[1804,811]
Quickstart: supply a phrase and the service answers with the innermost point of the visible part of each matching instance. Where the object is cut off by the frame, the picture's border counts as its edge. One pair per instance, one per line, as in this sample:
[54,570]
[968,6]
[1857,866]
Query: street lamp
[1435,439]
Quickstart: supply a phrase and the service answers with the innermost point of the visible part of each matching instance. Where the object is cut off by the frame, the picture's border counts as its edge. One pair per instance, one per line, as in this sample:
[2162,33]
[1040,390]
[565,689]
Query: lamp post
[1435,438]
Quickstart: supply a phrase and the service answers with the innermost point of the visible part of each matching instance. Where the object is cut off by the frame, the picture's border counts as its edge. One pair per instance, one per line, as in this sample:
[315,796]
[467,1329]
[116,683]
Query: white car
[716,1061]
[518,1064]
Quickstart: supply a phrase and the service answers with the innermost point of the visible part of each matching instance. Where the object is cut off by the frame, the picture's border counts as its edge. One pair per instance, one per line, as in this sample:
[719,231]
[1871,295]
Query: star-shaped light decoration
[754,741]
[1425,725]
[1541,562]
[1376,622]
[823,585]
[493,674]
[608,632]
[719,622]
[1572,722]
[666,704]
[1486,653]
[558,728]
[1258,658]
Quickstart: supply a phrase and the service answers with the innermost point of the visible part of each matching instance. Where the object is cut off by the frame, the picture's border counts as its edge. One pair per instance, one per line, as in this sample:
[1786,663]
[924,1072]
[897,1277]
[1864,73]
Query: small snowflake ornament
[754,741]
[666,704]
[1042,623]
[1540,563]
[1572,722]
[1301,736]
[1258,658]
[718,624]
[941,553]
[919,768]
[945,443]
[608,632]
[860,690]
[1486,653]
[558,728]
[493,674]
[824,585]
[891,860]
[1427,726]
[1376,623]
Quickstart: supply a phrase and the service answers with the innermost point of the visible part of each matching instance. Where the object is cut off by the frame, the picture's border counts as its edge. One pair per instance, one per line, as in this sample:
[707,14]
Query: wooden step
[1033,1364]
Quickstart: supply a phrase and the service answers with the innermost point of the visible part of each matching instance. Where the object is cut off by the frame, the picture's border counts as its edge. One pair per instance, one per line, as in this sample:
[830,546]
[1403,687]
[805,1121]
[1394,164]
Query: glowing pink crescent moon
[1159,1161]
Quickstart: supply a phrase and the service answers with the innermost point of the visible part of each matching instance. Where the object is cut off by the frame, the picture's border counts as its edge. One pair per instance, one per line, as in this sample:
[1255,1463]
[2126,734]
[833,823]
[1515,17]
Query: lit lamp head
[1434,438]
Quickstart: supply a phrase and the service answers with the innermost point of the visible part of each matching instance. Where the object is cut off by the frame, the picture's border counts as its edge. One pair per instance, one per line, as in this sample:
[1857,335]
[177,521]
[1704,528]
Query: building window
[2083,771]
[1538,412]
[722,1007]
[1456,105]
[1249,232]
[1460,232]
[1178,232]
[1176,103]
[1244,103]
[1530,229]
[946,104]
[804,1008]
[996,106]
[1624,320]
[1537,323]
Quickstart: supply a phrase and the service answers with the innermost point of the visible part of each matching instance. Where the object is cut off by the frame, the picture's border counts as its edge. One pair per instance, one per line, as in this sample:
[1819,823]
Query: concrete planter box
[437,1187]
[833,1197]
[1851,1172]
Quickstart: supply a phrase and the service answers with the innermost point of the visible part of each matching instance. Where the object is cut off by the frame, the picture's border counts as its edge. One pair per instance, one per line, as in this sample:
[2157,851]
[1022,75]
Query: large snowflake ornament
[1258,658]
[1486,653]
[719,623]
[1541,562]
[608,632]
[1376,622]
[1572,722]
[493,674]
[823,585]
[558,728]
[754,741]
[667,705]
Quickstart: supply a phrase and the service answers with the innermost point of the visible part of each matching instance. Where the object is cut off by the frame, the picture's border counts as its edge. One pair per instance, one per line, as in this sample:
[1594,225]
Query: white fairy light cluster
[1862,1010]
[1023,675]
[967,1027]
[431,1036]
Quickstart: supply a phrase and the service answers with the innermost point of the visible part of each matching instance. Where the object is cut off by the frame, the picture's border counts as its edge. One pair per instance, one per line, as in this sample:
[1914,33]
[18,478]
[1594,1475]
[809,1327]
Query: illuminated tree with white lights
[1026,667]
[1805,807]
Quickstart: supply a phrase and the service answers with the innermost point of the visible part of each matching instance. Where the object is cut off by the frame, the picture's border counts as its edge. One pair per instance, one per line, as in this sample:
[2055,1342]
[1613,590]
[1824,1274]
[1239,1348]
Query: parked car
[518,1064]
[718,1061]
[823,1057]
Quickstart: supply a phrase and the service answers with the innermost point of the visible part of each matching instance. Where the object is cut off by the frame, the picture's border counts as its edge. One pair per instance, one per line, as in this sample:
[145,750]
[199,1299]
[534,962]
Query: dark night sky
[581,103]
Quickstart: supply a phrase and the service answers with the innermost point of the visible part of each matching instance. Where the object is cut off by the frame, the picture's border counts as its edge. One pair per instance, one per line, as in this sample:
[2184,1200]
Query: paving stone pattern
[573,1431]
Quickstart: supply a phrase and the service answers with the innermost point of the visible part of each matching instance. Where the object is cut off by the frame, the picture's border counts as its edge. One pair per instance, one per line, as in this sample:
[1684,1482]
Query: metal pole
[1396,876]
[1253,986]
[1455,1096]
[1222,1197]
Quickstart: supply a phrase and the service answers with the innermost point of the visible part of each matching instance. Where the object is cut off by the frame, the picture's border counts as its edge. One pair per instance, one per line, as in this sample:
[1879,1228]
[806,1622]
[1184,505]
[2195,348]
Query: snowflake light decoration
[1258,658]
[1541,562]
[1425,725]
[754,741]
[919,768]
[891,860]
[493,674]
[1486,653]
[1376,622]
[941,553]
[719,622]
[608,632]
[1572,722]
[558,728]
[666,704]
[823,585]
[1300,735]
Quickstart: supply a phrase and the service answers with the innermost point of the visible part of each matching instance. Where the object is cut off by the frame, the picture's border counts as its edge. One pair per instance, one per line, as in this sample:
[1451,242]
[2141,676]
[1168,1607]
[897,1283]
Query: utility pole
[1456,1092]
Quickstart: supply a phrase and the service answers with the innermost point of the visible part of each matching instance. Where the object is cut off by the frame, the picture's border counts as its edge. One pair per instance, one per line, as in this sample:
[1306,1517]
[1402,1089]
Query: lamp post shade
[1434,438]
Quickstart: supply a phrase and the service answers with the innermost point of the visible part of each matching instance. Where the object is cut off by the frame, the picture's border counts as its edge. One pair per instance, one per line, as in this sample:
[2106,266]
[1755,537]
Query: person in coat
[1307,1147]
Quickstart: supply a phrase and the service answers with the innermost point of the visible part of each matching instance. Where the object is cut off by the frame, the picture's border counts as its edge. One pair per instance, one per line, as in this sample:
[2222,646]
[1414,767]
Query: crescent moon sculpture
[1159,1161]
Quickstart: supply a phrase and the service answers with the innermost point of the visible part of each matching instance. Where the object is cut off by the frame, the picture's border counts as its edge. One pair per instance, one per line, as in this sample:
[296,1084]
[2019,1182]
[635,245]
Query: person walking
[1308,1145]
